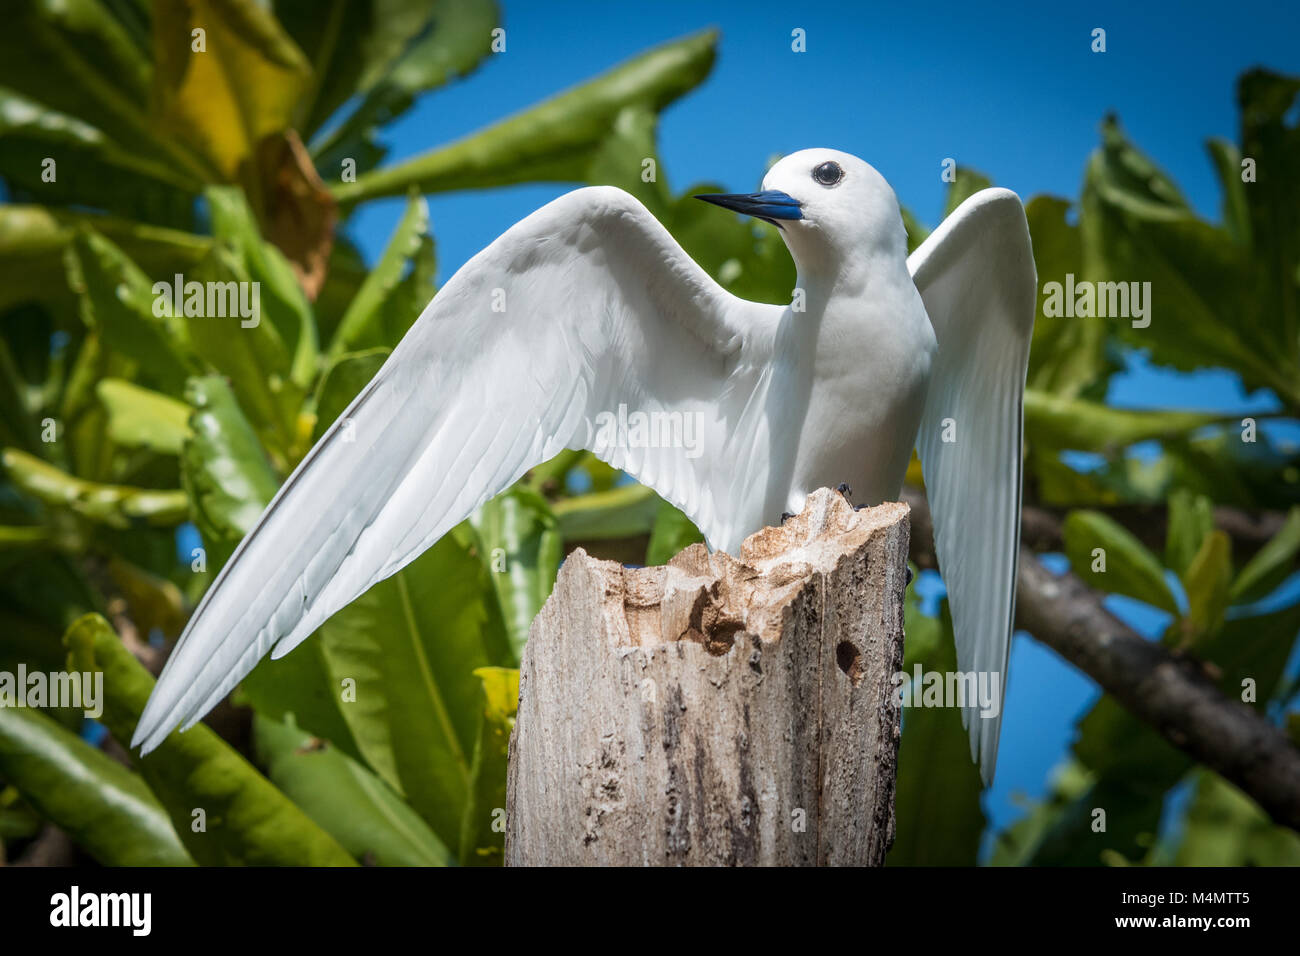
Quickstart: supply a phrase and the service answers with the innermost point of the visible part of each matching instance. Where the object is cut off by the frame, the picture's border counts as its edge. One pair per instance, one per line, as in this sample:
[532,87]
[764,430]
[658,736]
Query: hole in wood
[850,660]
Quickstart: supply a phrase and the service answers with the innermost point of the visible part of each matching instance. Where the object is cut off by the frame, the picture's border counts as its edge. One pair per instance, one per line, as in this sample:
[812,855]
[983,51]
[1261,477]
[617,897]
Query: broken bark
[717,710]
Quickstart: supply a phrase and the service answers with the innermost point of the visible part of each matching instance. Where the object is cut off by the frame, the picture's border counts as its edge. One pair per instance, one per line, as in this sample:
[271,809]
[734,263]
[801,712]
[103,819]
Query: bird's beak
[770,205]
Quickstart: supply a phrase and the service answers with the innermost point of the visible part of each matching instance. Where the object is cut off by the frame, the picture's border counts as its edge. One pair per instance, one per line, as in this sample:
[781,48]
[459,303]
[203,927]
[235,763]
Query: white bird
[589,304]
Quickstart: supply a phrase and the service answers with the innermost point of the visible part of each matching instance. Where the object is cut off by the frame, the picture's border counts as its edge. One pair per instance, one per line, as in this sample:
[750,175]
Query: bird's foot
[846,491]
[909,575]
[786,516]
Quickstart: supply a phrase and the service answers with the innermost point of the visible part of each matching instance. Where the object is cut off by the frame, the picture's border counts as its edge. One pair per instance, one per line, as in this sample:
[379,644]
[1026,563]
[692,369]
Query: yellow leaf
[226,76]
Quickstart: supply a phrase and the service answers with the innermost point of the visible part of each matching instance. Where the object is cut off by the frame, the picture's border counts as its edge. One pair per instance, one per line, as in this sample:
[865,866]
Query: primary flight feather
[588,306]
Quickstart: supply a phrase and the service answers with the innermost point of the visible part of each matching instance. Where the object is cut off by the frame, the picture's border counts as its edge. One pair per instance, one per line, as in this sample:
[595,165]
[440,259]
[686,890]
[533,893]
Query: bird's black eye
[828,174]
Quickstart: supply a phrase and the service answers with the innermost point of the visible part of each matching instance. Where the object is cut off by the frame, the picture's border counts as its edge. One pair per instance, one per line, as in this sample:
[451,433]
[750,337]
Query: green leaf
[90,169]
[1271,564]
[360,327]
[371,50]
[249,352]
[1236,210]
[482,841]
[223,469]
[342,382]
[1216,303]
[966,184]
[103,75]
[1124,566]
[1067,355]
[117,300]
[142,418]
[222,102]
[937,795]
[300,687]
[1191,518]
[1208,580]
[115,506]
[33,240]
[408,648]
[106,809]
[673,532]
[1224,827]
[603,515]
[520,545]
[620,159]
[552,141]
[1059,422]
[246,819]
[350,803]
[281,298]
[1252,652]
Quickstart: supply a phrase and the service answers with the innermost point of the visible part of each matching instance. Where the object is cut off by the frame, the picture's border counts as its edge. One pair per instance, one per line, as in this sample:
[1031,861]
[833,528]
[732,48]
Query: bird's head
[830,206]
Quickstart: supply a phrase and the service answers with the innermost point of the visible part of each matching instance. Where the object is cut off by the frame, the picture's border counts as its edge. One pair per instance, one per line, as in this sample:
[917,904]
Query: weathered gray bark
[717,710]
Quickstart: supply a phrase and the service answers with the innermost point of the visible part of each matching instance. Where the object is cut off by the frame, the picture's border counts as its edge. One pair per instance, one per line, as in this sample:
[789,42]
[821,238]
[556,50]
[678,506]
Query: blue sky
[1017,94]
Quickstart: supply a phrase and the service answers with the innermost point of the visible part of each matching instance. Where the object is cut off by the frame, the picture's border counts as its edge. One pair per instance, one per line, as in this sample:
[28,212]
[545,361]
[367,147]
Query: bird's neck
[849,271]
[851,279]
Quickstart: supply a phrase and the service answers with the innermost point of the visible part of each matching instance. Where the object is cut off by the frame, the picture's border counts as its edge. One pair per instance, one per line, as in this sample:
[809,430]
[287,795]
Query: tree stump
[717,710]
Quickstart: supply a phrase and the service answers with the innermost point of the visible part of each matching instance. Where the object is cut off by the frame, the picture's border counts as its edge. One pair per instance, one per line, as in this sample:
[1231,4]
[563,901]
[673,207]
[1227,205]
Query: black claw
[844,489]
[786,516]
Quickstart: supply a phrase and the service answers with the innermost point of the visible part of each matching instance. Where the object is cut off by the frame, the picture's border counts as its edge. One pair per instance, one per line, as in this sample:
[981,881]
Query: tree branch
[1172,694]
[1041,526]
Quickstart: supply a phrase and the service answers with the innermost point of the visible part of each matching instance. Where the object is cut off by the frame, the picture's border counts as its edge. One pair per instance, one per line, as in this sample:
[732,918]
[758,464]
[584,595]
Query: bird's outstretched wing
[976,276]
[585,306]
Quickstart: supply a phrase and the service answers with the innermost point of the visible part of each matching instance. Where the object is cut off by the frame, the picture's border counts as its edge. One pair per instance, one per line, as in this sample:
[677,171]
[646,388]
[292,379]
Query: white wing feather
[976,276]
[516,358]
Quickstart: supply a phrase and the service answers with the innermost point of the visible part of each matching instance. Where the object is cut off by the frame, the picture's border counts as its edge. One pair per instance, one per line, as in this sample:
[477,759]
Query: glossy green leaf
[117,300]
[482,841]
[551,141]
[33,240]
[360,326]
[405,654]
[221,102]
[105,808]
[520,545]
[282,301]
[142,418]
[224,810]
[90,169]
[386,54]
[354,806]
[116,506]
[224,469]
[104,77]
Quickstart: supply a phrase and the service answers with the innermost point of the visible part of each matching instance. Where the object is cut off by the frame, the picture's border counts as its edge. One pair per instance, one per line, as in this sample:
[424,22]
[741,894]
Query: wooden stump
[717,711]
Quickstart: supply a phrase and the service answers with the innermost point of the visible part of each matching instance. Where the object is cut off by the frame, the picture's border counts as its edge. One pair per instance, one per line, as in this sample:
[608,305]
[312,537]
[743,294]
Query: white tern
[588,306]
